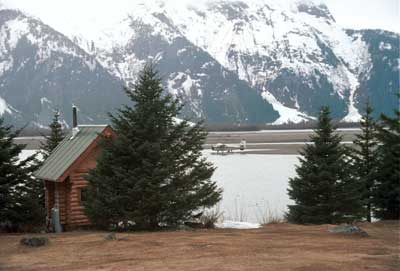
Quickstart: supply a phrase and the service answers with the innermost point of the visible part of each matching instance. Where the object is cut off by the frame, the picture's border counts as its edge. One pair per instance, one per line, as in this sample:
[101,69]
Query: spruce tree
[365,159]
[21,195]
[55,137]
[323,190]
[152,173]
[386,196]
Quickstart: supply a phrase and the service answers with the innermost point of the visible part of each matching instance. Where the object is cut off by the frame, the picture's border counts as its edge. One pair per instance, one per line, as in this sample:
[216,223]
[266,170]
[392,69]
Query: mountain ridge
[273,63]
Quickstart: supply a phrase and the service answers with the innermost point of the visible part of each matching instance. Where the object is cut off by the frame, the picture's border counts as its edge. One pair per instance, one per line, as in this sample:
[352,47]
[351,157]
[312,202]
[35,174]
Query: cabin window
[83,195]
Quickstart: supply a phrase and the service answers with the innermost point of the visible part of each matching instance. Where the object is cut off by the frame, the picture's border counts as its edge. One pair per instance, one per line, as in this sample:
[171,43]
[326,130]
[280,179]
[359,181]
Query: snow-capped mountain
[251,61]
[41,70]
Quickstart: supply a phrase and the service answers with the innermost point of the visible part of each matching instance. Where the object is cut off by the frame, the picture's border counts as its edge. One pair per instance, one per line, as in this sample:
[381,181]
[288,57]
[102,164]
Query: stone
[34,241]
[349,229]
[111,236]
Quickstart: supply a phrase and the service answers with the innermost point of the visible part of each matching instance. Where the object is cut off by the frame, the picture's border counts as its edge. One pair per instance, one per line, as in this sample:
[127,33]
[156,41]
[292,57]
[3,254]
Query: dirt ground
[273,247]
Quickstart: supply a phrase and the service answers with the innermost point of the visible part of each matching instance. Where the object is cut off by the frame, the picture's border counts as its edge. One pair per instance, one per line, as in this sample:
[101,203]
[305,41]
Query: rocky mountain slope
[41,70]
[252,61]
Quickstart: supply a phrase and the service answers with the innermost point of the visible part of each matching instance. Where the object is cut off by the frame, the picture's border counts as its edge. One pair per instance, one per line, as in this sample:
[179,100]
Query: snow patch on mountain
[286,114]
[44,100]
[183,85]
[187,84]
[4,107]
[385,46]
[353,115]
[124,65]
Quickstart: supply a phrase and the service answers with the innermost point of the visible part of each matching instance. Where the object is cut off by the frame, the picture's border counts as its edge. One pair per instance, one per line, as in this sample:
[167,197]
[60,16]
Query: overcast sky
[382,14]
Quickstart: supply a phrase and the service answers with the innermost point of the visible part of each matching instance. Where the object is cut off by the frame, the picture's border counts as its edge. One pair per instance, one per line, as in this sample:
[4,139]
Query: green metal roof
[65,154]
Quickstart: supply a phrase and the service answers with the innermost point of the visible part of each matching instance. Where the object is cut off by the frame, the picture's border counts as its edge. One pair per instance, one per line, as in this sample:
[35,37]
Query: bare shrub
[267,216]
[210,217]
[240,212]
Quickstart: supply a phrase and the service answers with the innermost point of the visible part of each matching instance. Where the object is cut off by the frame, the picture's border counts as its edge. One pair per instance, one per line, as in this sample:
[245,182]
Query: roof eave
[44,178]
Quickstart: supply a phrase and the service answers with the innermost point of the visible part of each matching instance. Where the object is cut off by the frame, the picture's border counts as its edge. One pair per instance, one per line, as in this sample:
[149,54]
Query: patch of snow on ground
[179,121]
[286,114]
[26,153]
[227,224]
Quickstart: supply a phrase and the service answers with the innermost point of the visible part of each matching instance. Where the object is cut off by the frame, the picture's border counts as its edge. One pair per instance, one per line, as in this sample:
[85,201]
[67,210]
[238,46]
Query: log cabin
[64,170]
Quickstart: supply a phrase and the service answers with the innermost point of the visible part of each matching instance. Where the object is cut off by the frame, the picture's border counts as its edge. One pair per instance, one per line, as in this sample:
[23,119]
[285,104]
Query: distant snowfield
[255,186]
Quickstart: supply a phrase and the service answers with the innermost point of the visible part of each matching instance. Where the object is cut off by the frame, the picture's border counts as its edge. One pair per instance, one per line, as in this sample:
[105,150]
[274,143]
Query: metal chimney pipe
[74,117]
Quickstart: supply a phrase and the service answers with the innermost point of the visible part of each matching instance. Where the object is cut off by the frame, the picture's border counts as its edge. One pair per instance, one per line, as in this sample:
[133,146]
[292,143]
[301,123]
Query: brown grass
[274,247]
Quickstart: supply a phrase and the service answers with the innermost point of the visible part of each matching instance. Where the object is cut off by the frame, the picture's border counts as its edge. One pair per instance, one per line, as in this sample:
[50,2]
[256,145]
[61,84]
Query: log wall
[76,211]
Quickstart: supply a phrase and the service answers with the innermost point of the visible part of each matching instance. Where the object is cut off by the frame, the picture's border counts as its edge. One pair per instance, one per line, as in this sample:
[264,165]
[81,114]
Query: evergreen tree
[323,191]
[152,172]
[365,159]
[387,191]
[55,137]
[21,195]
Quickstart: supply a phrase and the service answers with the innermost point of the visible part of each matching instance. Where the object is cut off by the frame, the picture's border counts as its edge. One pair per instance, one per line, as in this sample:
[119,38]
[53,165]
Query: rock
[111,236]
[349,229]
[34,241]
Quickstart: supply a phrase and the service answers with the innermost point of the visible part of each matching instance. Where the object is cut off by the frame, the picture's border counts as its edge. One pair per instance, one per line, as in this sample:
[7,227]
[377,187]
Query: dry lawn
[274,247]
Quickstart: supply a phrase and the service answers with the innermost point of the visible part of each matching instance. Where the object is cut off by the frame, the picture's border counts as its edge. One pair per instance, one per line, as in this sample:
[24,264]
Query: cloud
[361,14]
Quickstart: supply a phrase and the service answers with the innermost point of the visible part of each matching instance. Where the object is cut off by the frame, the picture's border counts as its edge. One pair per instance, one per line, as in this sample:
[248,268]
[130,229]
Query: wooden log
[81,222]
[78,218]
[78,174]
[79,182]
[77,213]
[76,205]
